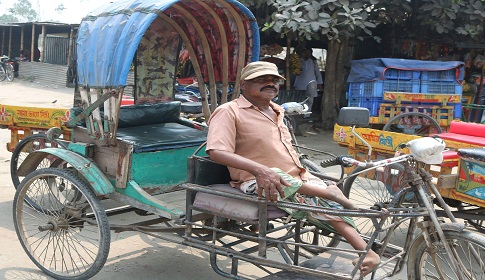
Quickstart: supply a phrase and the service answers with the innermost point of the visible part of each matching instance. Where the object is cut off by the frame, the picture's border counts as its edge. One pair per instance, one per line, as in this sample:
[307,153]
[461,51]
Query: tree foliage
[342,21]
[21,11]
[314,19]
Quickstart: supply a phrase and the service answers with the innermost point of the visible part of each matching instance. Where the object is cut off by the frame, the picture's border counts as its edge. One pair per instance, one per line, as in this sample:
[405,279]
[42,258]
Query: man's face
[263,87]
[307,54]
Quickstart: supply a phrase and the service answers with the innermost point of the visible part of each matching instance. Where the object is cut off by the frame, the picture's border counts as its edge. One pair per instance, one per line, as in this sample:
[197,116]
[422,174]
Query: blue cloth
[372,69]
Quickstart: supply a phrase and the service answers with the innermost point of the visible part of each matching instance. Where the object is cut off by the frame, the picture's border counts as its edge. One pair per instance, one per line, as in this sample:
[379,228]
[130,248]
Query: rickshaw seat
[473,153]
[162,136]
[465,132]
[154,127]
[141,114]
[233,208]
[203,171]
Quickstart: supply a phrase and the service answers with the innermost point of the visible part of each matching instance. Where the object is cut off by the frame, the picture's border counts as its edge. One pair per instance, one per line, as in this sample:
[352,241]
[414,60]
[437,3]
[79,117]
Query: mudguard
[86,168]
[418,240]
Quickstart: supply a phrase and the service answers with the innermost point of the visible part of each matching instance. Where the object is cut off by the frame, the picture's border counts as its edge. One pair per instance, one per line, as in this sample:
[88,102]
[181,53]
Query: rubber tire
[14,160]
[311,166]
[377,195]
[395,119]
[9,73]
[3,75]
[90,197]
[415,259]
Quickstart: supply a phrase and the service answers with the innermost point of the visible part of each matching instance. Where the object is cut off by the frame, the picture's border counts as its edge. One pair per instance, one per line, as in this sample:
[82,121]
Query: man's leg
[309,102]
[372,260]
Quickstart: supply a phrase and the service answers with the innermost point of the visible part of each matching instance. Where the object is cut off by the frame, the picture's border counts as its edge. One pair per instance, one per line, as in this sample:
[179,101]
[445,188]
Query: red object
[186,81]
[466,132]
[450,159]
[127,100]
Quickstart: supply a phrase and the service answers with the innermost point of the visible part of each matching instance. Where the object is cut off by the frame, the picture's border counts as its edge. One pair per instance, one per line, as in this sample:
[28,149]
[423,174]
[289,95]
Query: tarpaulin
[372,69]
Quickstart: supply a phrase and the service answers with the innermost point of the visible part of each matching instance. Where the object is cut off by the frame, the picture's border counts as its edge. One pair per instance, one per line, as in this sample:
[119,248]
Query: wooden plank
[96,115]
[444,99]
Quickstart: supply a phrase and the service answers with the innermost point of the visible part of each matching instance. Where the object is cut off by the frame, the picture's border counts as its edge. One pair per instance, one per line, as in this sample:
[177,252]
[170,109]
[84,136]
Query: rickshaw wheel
[315,236]
[367,192]
[434,262]
[28,145]
[311,166]
[66,232]
[413,123]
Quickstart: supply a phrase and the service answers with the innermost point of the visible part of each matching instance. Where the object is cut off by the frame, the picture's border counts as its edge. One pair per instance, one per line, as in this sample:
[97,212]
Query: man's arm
[266,178]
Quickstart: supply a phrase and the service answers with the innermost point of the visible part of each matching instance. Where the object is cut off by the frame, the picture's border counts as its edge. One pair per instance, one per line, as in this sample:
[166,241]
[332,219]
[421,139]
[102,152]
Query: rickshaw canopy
[150,34]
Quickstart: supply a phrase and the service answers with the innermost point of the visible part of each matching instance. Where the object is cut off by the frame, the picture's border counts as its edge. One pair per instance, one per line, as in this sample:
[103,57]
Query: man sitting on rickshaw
[248,135]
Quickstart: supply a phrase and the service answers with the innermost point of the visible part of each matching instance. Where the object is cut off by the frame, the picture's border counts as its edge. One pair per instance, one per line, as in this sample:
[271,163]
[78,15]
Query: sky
[74,12]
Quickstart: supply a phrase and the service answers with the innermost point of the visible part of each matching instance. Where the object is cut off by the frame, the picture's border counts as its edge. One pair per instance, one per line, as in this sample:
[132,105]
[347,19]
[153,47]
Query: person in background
[309,72]
[248,135]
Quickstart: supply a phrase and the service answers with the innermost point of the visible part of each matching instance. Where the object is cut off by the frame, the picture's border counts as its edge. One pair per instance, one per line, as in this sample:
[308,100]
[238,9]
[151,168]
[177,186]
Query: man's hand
[272,184]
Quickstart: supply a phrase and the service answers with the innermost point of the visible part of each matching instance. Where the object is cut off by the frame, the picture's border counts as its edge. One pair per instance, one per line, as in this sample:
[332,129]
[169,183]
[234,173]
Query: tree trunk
[337,57]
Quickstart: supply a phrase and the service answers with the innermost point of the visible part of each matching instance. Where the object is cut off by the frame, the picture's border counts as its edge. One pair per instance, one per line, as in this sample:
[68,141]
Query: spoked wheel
[314,236]
[413,123]
[29,144]
[66,231]
[9,72]
[371,190]
[434,263]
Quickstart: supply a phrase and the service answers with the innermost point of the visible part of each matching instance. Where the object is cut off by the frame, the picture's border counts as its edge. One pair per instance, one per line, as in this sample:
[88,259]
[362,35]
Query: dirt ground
[132,255]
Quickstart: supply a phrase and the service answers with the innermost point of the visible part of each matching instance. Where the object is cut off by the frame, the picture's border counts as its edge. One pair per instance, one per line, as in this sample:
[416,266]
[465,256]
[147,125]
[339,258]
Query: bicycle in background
[6,69]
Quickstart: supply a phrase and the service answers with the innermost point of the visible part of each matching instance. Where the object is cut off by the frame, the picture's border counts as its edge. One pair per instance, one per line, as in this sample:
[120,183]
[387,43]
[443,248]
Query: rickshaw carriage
[403,93]
[459,178]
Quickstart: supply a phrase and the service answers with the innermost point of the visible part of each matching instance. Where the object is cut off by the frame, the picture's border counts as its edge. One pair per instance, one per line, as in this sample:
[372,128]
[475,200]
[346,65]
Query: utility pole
[38,11]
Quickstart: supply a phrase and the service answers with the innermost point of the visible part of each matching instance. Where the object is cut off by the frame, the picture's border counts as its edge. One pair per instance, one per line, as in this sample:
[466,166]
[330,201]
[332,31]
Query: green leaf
[435,12]
[369,24]
[315,26]
[281,17]
[313,15]
[297,15]
[316,5]
[440,29]
[406,7]
[344,3]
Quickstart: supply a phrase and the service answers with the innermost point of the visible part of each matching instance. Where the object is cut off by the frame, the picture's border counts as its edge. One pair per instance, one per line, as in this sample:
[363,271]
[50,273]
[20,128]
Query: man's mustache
[269,87]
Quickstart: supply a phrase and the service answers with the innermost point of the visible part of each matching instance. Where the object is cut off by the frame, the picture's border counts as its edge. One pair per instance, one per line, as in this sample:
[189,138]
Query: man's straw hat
[259,68]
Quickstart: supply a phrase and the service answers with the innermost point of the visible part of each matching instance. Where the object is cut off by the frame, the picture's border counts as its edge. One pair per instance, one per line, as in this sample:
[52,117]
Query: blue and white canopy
[112,37]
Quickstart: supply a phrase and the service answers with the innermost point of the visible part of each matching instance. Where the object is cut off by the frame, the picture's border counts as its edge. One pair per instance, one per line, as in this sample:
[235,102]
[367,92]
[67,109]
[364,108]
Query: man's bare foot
[336,195]
[370,263]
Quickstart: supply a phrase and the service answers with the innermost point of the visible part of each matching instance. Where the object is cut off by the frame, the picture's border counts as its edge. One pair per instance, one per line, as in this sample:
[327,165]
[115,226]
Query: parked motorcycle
[9,68]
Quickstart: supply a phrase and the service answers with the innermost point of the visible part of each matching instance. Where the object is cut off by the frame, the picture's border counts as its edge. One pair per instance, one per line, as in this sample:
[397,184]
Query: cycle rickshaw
[138,154]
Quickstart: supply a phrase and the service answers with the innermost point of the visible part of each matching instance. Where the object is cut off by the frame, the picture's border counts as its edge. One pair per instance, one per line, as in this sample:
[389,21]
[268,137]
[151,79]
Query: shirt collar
[242,102]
